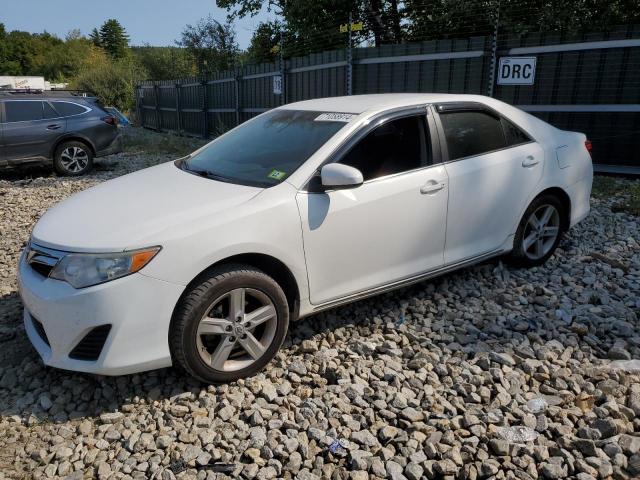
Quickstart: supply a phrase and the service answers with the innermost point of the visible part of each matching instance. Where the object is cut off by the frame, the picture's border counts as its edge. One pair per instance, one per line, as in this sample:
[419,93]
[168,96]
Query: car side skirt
[408,281]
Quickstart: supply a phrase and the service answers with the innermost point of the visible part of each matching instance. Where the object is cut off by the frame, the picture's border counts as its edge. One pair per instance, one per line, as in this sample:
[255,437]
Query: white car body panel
[338,245]
[479,219]
[348,233]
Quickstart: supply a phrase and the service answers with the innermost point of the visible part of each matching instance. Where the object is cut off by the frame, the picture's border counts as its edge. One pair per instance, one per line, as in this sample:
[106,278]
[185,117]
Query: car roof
[358,104]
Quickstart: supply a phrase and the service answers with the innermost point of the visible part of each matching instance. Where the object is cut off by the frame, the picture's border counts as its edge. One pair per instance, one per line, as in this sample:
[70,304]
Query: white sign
[277,84]
[517,71]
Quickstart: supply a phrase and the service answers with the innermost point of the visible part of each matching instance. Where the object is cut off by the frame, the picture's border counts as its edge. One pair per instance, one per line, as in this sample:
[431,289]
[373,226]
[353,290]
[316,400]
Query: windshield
[266,150]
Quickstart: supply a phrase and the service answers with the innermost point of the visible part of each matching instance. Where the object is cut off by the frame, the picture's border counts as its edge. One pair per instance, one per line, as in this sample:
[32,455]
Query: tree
[212,44]
[114,38]
[112,81]
[94,36]
[265,43]
[163,63]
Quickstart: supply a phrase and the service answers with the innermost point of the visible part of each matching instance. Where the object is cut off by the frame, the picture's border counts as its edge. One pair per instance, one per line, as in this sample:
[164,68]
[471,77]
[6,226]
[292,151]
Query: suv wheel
[539,232]
[73,159]
[229,325]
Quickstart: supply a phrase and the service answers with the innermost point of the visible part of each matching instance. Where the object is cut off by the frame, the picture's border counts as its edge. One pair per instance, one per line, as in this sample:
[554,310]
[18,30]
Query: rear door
[493,168]
[30,129]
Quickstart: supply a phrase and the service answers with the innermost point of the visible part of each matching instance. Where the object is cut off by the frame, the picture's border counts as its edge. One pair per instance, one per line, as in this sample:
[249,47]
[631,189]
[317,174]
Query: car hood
[137,210]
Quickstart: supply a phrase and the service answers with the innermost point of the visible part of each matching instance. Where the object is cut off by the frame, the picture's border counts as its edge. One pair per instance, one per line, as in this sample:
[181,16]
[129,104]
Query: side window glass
[22,111]
[49,112]
[394,147]
[66,109]
[471,133]
[515,136]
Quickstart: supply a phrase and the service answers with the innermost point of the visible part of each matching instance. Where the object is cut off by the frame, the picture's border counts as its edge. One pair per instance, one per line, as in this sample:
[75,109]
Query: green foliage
[113,82]
[265,43]
[114,38]
[212,44]
[165,63]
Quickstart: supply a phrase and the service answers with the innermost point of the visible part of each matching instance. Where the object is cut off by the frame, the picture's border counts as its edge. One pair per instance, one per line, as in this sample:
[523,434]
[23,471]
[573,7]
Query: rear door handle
[530,161]
[54,126]
[431,186]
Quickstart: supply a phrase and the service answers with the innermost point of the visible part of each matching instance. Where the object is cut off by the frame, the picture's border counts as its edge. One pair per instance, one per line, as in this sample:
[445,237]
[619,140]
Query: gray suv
[60,128]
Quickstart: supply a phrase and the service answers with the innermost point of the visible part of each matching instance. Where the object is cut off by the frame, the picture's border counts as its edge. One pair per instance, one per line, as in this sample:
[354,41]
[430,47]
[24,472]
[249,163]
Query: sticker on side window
[334,117]
[276,174]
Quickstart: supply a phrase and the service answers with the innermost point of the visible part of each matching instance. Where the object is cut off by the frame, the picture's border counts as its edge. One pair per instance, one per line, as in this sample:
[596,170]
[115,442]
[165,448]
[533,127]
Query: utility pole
[494,51]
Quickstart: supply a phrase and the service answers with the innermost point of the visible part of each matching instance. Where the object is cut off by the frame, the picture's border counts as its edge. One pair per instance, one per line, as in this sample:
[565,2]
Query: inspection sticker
[276,174]
[334,117]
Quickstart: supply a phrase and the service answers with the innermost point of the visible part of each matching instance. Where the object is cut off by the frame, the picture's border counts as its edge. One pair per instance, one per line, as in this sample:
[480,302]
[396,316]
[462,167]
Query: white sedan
[204,261]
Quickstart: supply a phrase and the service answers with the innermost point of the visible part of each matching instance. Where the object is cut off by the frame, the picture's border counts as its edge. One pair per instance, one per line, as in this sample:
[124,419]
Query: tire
[203,329]
[73,159]
[525,254]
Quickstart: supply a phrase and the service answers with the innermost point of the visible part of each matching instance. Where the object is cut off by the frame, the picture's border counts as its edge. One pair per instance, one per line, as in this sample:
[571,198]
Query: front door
[390,228]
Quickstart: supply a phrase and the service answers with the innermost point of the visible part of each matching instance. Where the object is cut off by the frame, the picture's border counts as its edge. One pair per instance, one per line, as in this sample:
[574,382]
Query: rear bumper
[580,193]
[137,307]
[115,146]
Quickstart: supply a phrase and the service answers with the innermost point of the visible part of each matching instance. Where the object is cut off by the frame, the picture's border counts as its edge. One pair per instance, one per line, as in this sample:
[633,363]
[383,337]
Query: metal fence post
[283,70]
[156,89]
[178,113]
[237,95]
[494,51]
[349,78]
[138,108]
[205,109]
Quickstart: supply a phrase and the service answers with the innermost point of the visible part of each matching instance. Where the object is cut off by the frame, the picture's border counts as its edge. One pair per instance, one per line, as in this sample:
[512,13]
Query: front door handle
[530,161]
[431,186]
[53,126]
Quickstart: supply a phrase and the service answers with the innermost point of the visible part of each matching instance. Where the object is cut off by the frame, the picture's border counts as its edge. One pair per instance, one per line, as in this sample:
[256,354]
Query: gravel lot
[426,382]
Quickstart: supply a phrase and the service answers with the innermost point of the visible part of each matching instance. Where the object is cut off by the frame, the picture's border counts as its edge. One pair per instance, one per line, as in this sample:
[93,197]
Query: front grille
[92,344]
[40,330]
[42,259]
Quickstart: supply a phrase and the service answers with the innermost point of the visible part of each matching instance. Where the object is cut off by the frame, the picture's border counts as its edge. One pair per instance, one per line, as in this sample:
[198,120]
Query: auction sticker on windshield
[276,174]
[334,117]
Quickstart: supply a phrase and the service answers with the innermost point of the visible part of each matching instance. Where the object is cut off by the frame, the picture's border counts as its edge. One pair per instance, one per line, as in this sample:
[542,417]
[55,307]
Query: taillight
[589,146]
[109,119]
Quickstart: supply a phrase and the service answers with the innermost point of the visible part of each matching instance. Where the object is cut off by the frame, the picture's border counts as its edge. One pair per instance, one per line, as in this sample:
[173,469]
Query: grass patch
[606,187]
[631,201]
[139,140]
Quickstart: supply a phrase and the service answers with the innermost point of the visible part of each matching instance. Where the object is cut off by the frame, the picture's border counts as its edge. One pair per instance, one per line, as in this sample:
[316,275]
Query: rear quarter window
[67,109]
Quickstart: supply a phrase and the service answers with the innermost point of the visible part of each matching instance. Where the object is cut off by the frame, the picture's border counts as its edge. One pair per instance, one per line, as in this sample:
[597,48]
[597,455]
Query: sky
[157,22]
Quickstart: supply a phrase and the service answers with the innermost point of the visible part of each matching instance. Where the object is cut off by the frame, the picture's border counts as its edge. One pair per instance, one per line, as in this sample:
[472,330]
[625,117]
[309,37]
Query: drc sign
[517,71]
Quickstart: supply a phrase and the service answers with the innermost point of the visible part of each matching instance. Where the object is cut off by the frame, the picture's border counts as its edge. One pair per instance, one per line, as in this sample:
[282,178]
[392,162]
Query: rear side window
[49,112]
[471,133]
[515,136]
[66,109]
[23,111]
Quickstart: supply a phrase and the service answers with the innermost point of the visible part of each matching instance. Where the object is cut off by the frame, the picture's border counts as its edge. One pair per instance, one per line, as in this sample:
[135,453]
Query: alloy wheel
[237,329]
[541,231]
[74,159]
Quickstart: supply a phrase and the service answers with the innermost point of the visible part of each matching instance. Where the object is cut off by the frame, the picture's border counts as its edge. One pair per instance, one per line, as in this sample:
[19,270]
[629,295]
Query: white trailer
[22,83]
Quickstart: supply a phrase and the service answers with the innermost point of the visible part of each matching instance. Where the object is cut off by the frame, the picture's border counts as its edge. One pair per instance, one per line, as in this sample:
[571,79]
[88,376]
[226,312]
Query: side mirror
[338,175]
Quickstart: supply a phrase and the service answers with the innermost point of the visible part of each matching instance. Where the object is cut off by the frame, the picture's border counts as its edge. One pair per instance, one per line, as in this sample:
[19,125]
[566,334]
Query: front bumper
[137,307]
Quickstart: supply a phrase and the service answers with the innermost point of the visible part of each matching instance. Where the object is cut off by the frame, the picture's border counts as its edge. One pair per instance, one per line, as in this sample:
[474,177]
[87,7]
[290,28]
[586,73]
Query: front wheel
[539,232]
[229,325]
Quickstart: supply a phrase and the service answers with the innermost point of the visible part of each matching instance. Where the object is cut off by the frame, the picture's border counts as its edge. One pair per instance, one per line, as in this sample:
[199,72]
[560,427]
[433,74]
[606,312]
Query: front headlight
[82,270]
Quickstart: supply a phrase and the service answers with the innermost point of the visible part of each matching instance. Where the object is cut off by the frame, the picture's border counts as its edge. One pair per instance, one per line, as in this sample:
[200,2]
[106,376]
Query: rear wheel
[539,232]
[73,159]
[230,325]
